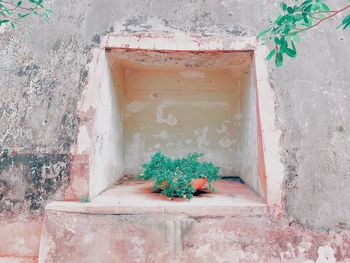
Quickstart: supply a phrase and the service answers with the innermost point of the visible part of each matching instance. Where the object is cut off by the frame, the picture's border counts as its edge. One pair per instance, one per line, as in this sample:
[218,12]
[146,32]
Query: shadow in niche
[152,194]
[203,192]
[206,191]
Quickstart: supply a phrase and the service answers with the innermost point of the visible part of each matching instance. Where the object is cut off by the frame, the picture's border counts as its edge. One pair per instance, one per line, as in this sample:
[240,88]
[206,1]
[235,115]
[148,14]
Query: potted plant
[179,177]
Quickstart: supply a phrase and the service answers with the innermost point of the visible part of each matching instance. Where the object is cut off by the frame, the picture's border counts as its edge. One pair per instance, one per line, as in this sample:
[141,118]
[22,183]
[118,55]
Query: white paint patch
[162,135]
[83,140]
[153,148]
[134,154]
[88,239]
[135,106]
[202,136]
[225,142]
[237,117]
[205,104]
[222,129]
[325,255]
[20,245]
[170,145]
[170,119]
[190,74]
[188,141]
[138,250]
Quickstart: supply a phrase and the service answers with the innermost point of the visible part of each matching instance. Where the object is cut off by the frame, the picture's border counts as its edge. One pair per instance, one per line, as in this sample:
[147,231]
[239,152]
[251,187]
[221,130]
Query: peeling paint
[162,135]
[325,255]
[222,129]
[197,75]
[225,142]
[170,119]
[135,106]
[202,137]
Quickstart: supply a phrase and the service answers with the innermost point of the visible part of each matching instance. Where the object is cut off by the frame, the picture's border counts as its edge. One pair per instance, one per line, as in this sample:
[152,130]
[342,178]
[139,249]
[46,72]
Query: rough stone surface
[27,182]
[43,73]
[71,237]
[20,239]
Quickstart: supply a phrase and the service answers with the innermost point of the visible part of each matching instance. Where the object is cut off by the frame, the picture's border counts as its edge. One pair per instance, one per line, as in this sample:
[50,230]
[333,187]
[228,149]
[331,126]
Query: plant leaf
[271,54]
[277,41]
[263,32]
[290,10]
[284,6]
[345,23]
[324,7]
[291,52]
[279,59]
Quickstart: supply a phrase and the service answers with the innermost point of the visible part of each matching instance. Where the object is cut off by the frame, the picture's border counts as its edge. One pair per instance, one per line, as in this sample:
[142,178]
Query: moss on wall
[27,182]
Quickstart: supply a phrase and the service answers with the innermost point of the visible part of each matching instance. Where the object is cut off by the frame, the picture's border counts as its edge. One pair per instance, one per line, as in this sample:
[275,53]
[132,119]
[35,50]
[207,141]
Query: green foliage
[346,22]
[13,12]
[177,174]
[85,199]
[285,30]
[5,153]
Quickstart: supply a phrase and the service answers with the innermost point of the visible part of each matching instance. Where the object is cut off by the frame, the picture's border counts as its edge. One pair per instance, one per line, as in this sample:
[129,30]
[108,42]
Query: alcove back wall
[182,102]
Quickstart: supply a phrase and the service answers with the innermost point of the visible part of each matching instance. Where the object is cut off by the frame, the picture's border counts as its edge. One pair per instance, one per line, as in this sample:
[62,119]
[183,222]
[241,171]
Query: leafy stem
[14,11]
[320,20]
[285,30]
[173,177]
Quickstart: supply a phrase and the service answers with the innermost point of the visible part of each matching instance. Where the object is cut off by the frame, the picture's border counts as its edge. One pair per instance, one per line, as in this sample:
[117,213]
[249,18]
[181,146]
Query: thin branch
[7,16]
[21,7]
[323,12]
[319,22]
[16,6]
[314,17]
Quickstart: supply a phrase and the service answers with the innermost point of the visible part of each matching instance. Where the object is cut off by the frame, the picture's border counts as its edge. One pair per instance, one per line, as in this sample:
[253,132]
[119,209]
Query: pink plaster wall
[20,239]
[70,237]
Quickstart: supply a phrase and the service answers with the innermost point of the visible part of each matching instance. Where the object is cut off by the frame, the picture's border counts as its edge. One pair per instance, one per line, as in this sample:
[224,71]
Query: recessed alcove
[183,102]
[177,98]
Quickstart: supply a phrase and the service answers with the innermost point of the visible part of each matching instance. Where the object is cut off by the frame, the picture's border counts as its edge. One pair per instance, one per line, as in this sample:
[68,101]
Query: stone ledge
[18,260]
[231,198]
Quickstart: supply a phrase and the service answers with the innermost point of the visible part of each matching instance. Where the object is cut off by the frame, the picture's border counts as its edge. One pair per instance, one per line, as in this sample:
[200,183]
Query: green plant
[85,199]
[5,152]
[173,177]
[294,20]
[13,12]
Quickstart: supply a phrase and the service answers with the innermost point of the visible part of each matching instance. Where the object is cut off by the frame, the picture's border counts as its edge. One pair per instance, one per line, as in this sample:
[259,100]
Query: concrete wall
[249,144]
[43,74]
[137,238]
[183,102]
[108,152]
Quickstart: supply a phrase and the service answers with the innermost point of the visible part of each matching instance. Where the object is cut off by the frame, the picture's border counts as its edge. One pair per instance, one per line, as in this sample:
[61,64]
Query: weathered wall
[180,103]
[107,161]
[249,141]
[75,237]
[42,76]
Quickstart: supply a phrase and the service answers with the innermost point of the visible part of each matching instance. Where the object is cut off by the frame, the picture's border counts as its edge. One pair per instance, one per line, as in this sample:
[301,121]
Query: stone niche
[177,99]
[182,102]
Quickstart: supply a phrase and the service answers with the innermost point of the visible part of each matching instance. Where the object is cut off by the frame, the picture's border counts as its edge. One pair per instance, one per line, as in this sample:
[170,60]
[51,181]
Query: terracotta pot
[196,183]
[199,183]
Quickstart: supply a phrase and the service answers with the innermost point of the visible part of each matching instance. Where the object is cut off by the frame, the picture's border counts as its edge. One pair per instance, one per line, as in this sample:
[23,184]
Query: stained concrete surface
[75,237]
[132,196]
[42,75]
